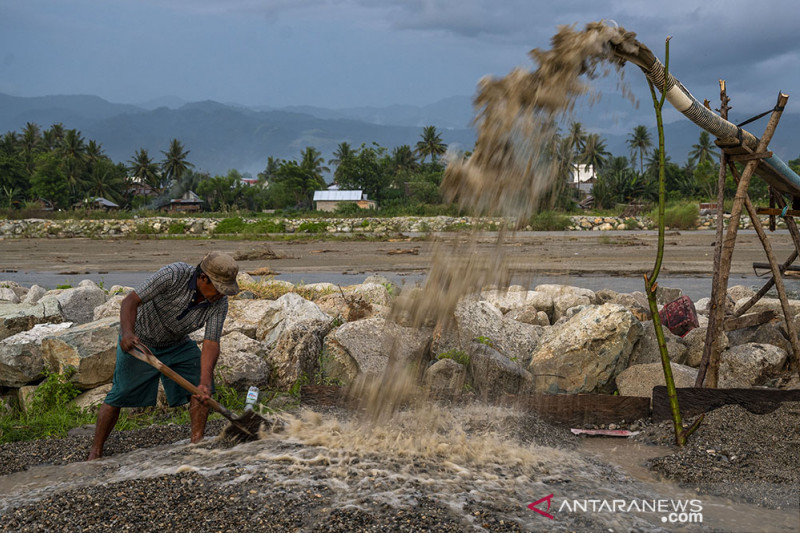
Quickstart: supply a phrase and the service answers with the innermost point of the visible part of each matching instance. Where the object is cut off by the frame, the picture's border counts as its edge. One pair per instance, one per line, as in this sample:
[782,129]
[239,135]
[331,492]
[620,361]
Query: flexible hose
[772,169]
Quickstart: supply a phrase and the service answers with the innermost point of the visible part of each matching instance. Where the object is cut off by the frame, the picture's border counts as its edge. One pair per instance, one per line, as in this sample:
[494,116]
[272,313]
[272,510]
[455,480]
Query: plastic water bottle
[252,396]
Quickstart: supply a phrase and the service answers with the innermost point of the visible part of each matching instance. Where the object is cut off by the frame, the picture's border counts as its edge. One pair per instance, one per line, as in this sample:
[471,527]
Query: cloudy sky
[342,53]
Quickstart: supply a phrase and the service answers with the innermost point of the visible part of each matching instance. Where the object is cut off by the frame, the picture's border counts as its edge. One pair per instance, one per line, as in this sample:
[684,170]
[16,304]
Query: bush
[177,228]
[681,216]
[230,225]
[264,226]
[550,221]
[312,227]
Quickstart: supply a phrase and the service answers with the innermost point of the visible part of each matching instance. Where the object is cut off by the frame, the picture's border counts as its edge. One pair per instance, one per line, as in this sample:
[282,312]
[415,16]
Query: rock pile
[553,339]
[115,228]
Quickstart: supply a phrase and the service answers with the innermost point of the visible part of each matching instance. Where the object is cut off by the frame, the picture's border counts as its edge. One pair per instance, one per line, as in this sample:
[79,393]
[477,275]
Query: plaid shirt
[167,315]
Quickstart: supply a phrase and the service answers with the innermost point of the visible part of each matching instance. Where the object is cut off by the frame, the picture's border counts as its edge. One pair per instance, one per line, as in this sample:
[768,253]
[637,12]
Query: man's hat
[221,269]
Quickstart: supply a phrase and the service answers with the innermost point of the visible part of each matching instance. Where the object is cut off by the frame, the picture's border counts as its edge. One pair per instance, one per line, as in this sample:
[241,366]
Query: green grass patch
[459,356]
[550,221]
[264,226]
[230,225]
[176,228]
[679,216]
[313,227]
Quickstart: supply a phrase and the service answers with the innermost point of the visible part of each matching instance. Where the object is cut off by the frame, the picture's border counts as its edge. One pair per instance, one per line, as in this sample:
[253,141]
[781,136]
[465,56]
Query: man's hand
[128,341]
[204,392]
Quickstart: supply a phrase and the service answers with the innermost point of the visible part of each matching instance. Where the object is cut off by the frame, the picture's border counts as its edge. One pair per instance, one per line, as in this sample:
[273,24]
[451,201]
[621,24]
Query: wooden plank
[776,211]
[750,157]
[579,409]
[694,401]
[748,320]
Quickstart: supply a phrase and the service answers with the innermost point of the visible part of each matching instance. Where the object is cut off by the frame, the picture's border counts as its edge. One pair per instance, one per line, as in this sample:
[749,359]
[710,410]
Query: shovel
[242,429]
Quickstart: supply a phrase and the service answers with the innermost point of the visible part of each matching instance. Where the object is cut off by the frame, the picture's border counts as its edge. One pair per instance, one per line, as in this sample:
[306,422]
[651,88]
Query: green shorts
[136,382]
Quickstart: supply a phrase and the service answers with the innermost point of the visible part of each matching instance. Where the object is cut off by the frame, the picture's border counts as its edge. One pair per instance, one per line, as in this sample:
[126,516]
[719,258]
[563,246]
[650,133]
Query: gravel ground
[755,458]
[737,454]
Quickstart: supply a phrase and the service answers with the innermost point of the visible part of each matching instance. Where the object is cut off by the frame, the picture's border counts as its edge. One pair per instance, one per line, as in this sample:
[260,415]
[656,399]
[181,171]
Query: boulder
[287,311]
[517,297]
[366,347]
[347,308]
[110,308]
[92,397]
[374,293]
[34,294]
[587,353]
[242,362]
[563,303]
[119,289]
[632,304]
[749,365]
[77,304]
[21,359]
[738,292]
[529,315]
[665,295]
[768,304]
[646,349]
[770,333]
[8,295]
[292,329]
[695,341]
[555,290]
[25,397]
[15,318]
[639,380]
[480,319]
[244,316]
[445,376]
[493,374]
[89,348]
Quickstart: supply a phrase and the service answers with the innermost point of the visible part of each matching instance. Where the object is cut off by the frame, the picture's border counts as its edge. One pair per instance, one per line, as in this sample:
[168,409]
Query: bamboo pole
[709,367]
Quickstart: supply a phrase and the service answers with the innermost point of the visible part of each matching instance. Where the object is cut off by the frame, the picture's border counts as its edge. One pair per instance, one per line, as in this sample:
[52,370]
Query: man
[160,313]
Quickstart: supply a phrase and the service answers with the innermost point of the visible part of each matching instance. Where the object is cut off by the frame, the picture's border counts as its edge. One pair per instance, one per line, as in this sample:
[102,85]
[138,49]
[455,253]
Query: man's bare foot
[94,455]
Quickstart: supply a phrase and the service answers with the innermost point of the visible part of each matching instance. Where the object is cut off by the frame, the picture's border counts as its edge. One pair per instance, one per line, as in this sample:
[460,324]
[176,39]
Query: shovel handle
[146,357]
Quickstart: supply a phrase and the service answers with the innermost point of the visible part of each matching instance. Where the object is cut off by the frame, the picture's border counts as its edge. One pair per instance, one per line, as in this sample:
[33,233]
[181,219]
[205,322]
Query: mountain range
[223,136]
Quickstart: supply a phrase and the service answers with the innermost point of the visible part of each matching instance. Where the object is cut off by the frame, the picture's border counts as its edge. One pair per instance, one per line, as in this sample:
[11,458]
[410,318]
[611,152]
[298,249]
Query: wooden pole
[714,328]
[709,368]
[777,275]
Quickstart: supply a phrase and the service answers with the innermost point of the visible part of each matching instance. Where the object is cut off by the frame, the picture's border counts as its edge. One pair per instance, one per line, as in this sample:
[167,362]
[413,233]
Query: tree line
[59,167]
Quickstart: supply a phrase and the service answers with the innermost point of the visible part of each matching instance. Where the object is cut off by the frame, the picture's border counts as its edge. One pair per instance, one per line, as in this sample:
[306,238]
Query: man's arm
[127,320]
[208,360]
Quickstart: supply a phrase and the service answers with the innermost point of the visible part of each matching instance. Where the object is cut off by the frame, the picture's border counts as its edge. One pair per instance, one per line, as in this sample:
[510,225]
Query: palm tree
[343,152]
[144,170]
[174,164]
[403,158]
[704,149]
[265,177]
[431,144]
[311,161]
[639,141]
[105,181]
[73,160]
[594,152]
[576,137]
[54,136]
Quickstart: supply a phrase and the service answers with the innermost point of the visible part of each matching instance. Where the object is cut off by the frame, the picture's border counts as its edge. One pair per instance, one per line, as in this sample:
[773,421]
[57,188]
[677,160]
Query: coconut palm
[144,170]
[576,137]
[265,176]
[639,142]
[311,161]
[431,144]
[175,164]
[403,158]
[343,151]
[704,149]
[106,181]
[594,152]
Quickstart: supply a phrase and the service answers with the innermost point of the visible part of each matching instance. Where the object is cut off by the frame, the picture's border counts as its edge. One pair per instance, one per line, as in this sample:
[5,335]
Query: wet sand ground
[616,253]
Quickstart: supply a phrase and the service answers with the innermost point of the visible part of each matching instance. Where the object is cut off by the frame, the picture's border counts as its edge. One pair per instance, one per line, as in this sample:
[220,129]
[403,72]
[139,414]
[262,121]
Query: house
[328,200]
[583,178]
[188,202]
[96,203]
